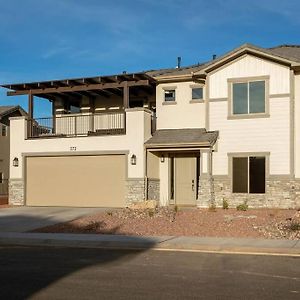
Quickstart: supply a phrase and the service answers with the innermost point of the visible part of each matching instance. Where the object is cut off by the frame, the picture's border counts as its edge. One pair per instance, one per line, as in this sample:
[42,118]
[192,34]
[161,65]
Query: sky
[57,39]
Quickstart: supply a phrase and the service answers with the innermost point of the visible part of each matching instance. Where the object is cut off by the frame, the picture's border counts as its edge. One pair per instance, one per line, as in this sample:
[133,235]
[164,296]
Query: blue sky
[55,39]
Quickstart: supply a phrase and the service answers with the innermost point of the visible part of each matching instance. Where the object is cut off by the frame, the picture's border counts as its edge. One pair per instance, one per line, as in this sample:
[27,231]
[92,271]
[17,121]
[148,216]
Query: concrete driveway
[22,219]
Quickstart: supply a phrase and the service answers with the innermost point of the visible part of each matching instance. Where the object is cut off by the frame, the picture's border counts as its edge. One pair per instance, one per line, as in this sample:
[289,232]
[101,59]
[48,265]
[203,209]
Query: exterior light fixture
[133,159]
[16,162]
[162,159]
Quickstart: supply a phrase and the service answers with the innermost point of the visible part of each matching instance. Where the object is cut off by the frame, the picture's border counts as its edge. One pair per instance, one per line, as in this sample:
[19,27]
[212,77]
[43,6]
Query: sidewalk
[167,243]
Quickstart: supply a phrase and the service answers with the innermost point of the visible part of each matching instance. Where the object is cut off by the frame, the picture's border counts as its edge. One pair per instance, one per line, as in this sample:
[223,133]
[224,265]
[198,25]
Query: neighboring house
[5,113]
[228,129]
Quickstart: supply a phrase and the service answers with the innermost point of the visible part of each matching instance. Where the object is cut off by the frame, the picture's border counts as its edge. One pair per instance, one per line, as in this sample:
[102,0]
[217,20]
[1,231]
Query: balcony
[78,125]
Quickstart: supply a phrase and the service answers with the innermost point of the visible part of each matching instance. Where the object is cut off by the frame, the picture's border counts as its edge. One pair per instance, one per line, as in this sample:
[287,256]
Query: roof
[10,111]
[291,52]
[283,52]
[182,137]
[83,81]
[287,54]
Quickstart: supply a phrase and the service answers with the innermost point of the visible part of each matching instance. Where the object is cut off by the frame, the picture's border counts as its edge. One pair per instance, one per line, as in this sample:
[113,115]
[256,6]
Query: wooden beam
[88,87]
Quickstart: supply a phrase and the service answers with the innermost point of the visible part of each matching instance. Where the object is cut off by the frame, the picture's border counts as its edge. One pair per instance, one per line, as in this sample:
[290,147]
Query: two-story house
[190,136]
[5,113]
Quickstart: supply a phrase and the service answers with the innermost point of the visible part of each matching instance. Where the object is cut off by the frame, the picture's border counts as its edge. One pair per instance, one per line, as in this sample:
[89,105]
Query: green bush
[294,226]
[212,208]
[225,204]
[176,209]
[242,207]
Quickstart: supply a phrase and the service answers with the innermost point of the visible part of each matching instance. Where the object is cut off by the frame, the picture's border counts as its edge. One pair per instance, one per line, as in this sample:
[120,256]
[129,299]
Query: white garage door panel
[82,181]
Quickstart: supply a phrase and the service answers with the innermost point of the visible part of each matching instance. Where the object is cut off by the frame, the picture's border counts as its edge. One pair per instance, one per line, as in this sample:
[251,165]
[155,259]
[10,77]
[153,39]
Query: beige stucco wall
[183,114]
[4,154]
[131,143]
[153,161]
[270,134]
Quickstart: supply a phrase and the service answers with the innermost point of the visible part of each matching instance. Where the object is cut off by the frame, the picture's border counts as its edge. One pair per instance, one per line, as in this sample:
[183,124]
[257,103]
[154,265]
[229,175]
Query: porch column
[206,195]
[126,95]
[30,114]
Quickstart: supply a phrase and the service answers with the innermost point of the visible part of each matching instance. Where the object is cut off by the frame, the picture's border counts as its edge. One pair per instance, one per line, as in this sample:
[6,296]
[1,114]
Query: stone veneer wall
[16,192]
[135,190]
[279,194]
[153,189]
[206,194]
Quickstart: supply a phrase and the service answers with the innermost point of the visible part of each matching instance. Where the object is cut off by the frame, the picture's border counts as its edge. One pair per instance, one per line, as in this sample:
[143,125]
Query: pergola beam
[88,87]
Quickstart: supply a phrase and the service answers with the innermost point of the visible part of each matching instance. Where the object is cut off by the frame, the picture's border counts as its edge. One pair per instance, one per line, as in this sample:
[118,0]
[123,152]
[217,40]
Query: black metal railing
[3,187]
[78,125]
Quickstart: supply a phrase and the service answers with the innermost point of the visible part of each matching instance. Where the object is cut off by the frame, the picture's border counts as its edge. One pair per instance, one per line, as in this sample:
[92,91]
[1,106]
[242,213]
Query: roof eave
[242,51]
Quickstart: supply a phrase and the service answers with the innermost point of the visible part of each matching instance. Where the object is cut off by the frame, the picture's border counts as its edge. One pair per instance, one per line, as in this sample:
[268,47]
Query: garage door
[82,181]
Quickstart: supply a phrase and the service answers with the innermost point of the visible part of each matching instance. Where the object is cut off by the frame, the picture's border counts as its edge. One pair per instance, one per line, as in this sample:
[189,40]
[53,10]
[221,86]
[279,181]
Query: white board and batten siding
[271,134]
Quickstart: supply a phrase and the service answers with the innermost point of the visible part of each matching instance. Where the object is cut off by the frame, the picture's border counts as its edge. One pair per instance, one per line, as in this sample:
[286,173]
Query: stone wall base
[135,190]
[153,189]
[16,192]
[206,194]
[279,194]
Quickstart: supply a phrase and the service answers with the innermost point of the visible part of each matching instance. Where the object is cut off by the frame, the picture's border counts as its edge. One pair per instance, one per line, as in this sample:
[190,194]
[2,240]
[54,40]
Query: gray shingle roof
[182,137]
[291,52]
[4,109]
[10,111]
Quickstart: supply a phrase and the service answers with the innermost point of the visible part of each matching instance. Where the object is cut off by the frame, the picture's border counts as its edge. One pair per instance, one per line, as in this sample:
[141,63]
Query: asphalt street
[75,273]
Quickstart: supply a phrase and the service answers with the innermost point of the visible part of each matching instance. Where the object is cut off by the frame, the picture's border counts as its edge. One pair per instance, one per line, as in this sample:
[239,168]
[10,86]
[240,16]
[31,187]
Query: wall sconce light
[133,159]
[162,159]
[16,162]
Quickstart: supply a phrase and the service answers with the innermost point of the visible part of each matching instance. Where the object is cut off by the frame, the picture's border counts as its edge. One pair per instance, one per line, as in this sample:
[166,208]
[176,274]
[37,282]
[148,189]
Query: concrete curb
[162,243]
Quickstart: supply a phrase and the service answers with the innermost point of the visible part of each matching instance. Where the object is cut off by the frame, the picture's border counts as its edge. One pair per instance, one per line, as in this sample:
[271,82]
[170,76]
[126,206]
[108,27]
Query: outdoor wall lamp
[133,159]
[162,159]
[16,162]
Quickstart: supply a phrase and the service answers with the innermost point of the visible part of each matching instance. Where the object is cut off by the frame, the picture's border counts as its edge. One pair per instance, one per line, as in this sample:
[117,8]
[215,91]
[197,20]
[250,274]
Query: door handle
[193,185]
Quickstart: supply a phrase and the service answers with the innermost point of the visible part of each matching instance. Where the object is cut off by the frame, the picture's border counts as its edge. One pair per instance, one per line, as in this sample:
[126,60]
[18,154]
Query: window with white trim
[249,174]
[248,97]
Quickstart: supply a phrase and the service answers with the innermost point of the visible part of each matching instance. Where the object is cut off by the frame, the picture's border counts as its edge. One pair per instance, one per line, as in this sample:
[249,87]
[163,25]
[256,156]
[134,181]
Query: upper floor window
[169,95]
[3,130]
[197,93]
[248,97]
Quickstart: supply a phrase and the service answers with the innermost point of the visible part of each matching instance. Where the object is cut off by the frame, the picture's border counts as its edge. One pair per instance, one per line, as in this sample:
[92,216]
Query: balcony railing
[113,123]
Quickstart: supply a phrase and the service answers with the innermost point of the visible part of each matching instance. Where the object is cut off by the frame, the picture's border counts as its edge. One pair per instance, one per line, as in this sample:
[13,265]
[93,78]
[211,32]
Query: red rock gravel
[253,223]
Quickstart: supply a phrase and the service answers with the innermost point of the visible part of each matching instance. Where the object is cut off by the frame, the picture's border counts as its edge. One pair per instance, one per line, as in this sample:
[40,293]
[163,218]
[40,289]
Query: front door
[185,181]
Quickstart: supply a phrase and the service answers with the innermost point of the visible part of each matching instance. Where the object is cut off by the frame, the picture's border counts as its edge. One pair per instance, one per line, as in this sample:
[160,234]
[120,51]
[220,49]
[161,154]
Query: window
[248,174]
[169,95]
[1,177]
[248,97]
[3,130]
[197,93]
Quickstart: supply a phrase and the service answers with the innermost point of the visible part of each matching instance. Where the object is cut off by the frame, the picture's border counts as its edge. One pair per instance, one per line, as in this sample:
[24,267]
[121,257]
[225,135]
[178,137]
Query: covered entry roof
[182,138]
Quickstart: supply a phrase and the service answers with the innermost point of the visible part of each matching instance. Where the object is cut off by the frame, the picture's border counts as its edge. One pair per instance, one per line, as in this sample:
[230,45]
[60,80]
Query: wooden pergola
[76,88]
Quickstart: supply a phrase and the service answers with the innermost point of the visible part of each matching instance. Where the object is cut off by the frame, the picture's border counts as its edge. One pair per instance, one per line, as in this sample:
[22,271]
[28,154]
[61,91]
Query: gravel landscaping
[255,223]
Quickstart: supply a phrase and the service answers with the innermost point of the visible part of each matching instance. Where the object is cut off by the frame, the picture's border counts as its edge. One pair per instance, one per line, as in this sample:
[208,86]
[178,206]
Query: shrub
[242,207]
[294,226]
[212,208]
[176,209]
[151,213]
[225,204]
